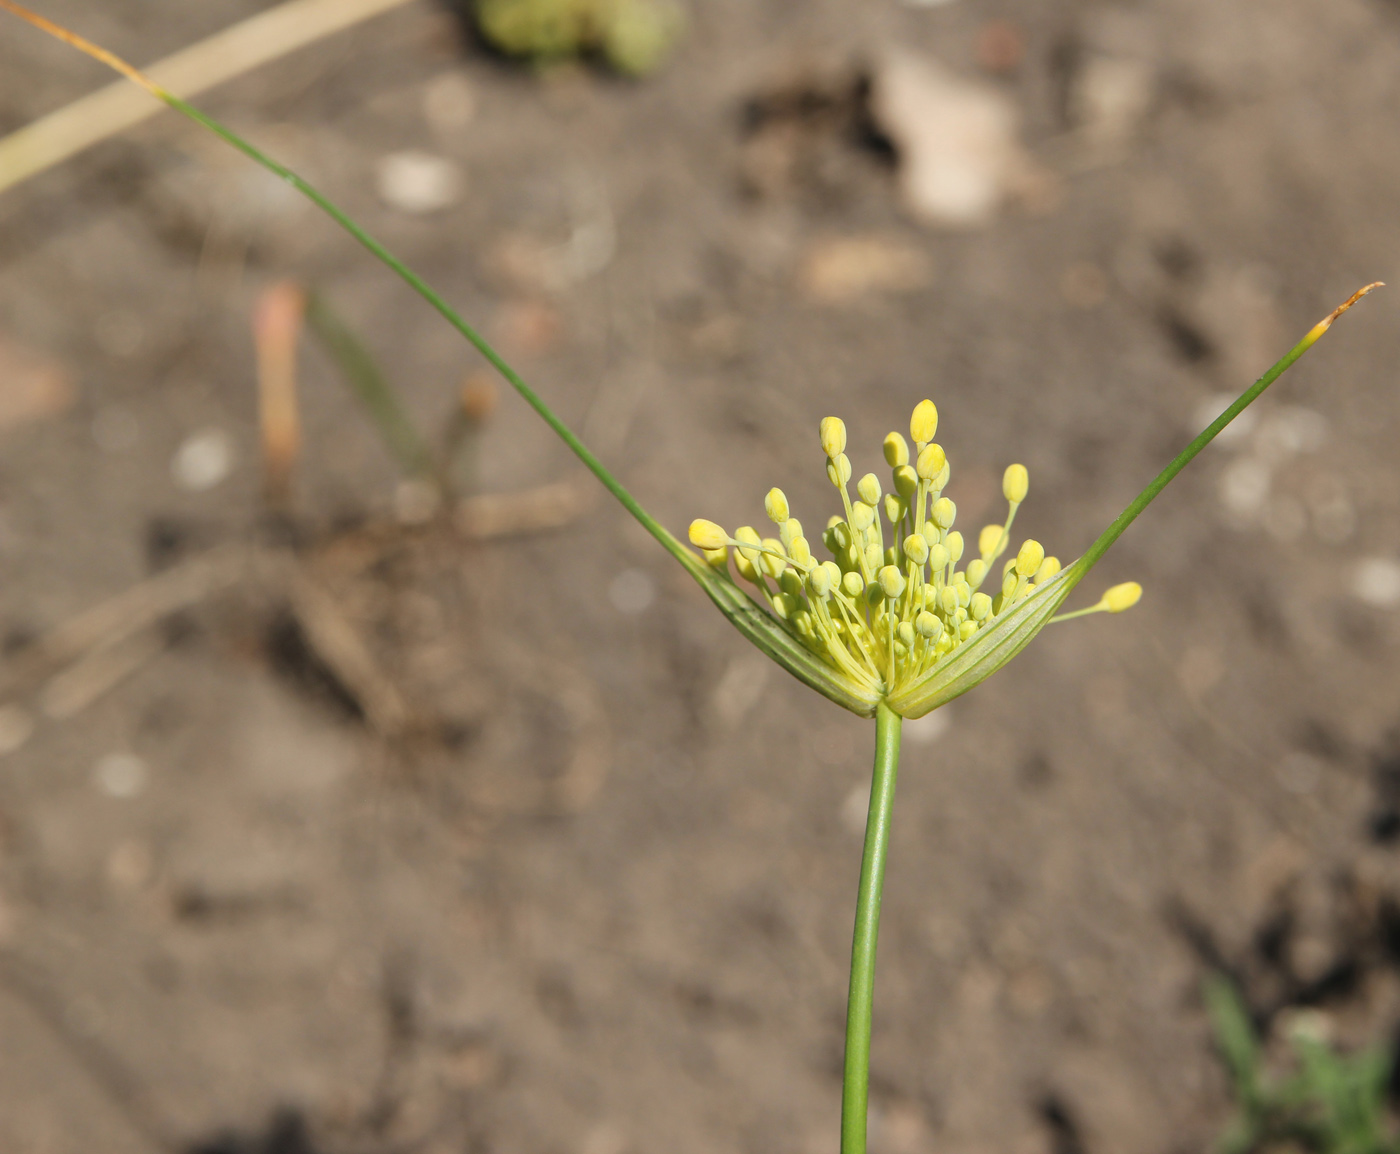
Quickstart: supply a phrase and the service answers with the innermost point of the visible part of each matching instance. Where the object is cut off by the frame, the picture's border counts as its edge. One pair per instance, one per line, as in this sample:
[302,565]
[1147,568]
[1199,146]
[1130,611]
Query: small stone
[841,269]
[1376,581]
[121,775]
[417,182]
[960,157]
[203,460]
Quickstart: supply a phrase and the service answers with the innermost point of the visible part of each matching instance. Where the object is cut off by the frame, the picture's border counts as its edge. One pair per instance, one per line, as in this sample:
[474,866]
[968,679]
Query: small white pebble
[927,729]
[120,775]
[16,727]
[632,591]
[1376,581]
[417,182]
[203,460]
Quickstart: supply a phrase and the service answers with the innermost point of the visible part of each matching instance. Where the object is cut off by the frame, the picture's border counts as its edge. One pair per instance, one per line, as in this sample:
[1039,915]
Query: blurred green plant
[633,36]
[1330,1103]
[857,651]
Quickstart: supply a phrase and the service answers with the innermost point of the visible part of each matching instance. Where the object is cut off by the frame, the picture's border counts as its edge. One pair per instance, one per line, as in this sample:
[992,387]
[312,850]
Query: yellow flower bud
[988,539]
[838,469]
[976,572]
[707,535]
[1029,558]
[896,451]
[1048,568]
[928,625]
[924,423]
[833,436]
[853,583]
[772,565]
[905,632]
[938,557]
[1121,597]
[776,506]
[916,548]
[862,516]
[891,582]
[790,530]
[790,582]
[716,558]
[931,461]
[1015,483]
[894,509]
[874,555]
[948,600]
[954,541]
[748,536]
[967,630]
[819,582]
[979,607]
[869,489]
[906,481]
[799,550]
[1008,584]
[944,513]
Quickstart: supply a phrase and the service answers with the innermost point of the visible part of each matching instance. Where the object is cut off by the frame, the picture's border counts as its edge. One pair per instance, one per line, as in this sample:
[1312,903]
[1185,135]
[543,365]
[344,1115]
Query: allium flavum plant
[889,618]
[888,630]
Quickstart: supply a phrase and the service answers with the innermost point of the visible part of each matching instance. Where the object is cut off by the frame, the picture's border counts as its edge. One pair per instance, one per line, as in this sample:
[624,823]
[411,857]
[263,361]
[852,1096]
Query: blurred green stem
[855,1092]
[368,383]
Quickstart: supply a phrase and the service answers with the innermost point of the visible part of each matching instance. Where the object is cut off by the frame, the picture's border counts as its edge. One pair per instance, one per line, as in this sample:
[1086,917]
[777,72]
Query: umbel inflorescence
[895,601]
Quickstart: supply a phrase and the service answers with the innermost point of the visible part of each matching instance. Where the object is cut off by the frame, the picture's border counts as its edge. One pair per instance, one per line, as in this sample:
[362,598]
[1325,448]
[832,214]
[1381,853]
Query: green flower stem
[855,1091]
[1247,398]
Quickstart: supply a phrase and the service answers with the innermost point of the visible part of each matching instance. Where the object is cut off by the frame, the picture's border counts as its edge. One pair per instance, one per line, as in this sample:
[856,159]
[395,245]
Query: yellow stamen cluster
[892,602]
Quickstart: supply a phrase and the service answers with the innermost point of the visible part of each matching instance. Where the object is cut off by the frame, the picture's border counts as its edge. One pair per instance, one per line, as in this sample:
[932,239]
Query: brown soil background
[303,937]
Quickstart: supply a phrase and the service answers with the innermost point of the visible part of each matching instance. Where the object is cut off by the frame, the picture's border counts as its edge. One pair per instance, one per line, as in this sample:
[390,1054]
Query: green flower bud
[853,583]
[905,632]
[790,581]
[819,582]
